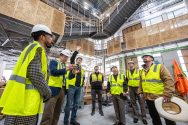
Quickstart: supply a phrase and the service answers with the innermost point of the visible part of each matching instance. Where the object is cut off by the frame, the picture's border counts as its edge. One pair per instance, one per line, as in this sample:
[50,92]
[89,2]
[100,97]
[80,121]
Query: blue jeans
[73,100]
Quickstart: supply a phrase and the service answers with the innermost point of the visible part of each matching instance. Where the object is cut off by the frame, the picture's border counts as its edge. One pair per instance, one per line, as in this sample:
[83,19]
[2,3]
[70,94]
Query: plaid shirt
[38,80]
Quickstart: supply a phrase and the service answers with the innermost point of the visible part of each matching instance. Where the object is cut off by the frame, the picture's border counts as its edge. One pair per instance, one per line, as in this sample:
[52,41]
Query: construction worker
[96,81]
[75,83]
[156,81]
[133,79]
[27,87]
[56,83]
[117,88]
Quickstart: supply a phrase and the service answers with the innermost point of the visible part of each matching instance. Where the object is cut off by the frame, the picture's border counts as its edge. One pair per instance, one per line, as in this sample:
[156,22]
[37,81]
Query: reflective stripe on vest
[20,98]
[134,79]
[96,78]
[151,82]
[73,81]
[21,80]
[116,87]
[56,81]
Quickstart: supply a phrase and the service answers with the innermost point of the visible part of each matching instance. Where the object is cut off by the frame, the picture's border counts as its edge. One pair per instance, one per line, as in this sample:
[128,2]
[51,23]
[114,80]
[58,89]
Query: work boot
[101,112]
[144,121]
[135,120]
[74,123]
[93,112]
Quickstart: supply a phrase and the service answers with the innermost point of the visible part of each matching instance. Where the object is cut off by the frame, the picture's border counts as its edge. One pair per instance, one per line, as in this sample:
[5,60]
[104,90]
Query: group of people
[146,85]
[34,81]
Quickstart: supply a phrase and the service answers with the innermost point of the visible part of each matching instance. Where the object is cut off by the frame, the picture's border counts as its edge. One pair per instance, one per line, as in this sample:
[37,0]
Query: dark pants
[73,100]
[119,107]
[155,116]
[133,96]
[95,92]
[52,109]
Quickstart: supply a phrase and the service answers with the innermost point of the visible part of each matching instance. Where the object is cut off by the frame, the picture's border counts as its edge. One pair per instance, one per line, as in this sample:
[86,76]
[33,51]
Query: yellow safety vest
[73,81]
[96,78]
[152,83]
[116,87]
[134,78]
[56,81]
[20,98]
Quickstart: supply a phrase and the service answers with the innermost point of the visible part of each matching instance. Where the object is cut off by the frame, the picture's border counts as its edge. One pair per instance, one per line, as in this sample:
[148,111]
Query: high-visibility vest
[96,78]
[116,87]
[73,81]
[20,97]
[56,81]
[134,78]
[151,82]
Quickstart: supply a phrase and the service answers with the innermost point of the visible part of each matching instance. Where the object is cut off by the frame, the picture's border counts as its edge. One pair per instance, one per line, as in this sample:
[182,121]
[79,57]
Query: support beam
[6,41]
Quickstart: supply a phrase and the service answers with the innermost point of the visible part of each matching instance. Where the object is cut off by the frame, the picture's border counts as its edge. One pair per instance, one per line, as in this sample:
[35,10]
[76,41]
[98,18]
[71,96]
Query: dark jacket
[55,72]
[71,74]
[96,85]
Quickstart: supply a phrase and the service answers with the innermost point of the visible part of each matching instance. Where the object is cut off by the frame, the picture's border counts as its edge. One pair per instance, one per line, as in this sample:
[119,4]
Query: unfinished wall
[87,47]
[34,12]
[166,31]
[114,46]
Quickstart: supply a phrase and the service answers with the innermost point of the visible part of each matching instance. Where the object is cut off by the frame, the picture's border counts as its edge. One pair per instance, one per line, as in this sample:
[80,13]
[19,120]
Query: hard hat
[79,57]
[66,52]
[148,55]
[41,27]
[176,110]
[131,62]
[113,67]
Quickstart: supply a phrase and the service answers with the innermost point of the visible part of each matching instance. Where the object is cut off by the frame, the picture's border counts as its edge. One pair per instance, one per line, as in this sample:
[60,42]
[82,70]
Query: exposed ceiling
[81,22]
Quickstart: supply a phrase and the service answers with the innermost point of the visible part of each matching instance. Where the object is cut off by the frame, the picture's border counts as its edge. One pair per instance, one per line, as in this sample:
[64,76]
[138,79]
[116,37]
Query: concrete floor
[85,118]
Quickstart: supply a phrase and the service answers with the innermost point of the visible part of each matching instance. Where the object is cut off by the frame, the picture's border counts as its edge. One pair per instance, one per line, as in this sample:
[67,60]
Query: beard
[48,46]
[145,61]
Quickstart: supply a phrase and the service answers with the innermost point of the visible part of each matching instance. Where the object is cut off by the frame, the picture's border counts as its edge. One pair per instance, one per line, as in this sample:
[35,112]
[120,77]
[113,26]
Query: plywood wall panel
[141,38]
[166,31]
[130,41]
[182,32]
[26,10]
[8,7]
[110,48]
[44,14]
[87,47]
[91,49]
[117,45]
[58,22]
[34,12]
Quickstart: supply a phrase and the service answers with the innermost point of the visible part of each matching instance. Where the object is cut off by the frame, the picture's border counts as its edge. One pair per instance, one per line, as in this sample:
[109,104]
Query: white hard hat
[79,57]
[41,27]
[176,110]
[66,52]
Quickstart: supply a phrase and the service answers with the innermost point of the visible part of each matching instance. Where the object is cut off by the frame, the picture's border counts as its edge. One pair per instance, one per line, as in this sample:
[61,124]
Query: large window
[100,44]
[182,62]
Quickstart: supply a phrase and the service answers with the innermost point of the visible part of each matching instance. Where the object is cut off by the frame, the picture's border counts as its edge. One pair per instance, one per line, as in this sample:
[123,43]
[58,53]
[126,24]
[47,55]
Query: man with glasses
[27,88]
